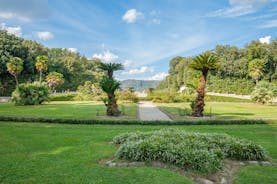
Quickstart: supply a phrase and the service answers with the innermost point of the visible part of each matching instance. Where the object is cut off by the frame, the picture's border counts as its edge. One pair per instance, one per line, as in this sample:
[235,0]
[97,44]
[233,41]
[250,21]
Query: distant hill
[139,85]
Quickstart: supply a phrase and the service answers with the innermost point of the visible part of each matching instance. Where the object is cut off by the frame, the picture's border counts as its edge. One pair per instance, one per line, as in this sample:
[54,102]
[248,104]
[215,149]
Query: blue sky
[142,34]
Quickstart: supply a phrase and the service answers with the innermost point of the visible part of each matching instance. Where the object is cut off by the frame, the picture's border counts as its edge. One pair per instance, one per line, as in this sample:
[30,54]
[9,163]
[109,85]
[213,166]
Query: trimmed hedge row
[132,122]
[199,152]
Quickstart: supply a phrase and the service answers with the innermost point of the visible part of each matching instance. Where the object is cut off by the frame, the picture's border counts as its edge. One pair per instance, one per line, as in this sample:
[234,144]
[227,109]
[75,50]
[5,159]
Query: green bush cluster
[62,97]
[167,97]
[126,95]
[230,85]
[30,94]
[264,92]
[198,152]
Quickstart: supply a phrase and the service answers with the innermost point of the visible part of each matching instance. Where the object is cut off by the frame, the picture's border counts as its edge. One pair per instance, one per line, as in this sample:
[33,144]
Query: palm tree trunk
[112,108]
[199,101]
[40,75]
[16,80]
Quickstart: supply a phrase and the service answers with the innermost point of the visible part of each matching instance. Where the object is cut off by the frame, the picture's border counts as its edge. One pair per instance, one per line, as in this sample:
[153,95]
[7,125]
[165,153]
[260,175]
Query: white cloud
[12,30]
[158,76]
[127,63]
[141,70]
[269,24]
[72,49]
[239,8]
[106,56]
[265,40]
[247,2]
[131,16]
[45,35]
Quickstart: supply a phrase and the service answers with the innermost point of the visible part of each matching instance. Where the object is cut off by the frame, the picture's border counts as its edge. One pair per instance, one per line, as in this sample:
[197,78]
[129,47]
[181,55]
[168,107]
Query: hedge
[132,122]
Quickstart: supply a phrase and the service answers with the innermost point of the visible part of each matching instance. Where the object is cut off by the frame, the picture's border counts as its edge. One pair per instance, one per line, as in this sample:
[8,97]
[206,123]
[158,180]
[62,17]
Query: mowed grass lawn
[56,153]
[82,109]
[226,110]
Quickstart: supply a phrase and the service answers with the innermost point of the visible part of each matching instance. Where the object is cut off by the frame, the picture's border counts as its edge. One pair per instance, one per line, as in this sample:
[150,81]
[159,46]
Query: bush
[63,97]
[199,152]
[30,94]
[264,92]
[89,91]
[126,95]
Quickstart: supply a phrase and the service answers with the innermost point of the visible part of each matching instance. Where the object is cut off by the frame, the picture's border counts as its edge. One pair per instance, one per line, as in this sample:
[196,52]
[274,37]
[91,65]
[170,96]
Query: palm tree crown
[111,67]
[205,62]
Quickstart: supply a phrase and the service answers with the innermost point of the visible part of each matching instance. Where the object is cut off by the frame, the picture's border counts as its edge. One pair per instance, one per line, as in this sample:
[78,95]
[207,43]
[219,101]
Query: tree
[203,63]
[109,85]
[15,67]
[256,69]
[54,79]
[41,64]
[110,68]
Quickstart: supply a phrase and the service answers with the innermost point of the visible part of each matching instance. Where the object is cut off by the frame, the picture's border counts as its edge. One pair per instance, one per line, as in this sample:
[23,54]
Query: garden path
[149,111]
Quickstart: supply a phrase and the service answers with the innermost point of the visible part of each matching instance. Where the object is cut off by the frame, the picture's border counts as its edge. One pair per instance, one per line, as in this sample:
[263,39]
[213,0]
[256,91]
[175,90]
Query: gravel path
[149,111]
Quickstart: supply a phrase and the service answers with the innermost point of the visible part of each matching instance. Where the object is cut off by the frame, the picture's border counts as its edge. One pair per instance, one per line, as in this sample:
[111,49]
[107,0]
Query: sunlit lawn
[55,153]
[224,110]
[72,109]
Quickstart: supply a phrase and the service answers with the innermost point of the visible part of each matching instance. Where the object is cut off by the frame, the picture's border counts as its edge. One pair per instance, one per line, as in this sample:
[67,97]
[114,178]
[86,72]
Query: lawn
[226,110]
[82,109]
[55,153]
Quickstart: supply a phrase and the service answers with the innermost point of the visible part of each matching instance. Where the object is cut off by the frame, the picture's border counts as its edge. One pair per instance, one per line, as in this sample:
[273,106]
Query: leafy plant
[198,152]
[30,94]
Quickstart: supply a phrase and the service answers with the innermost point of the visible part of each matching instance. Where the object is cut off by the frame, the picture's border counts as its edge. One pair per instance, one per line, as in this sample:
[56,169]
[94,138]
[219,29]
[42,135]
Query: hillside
[139,85]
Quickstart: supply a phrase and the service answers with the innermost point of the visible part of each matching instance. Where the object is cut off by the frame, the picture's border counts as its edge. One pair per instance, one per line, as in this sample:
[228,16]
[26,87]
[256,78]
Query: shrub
[264,92]
[89,91]
[30,94]
[199,152]
[127,95]
[63,97]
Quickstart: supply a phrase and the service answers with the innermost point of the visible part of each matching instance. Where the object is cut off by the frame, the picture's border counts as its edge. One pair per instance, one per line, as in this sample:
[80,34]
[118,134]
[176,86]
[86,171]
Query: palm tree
[109,85]
[110,68]
[203,63]
[256,69]
[41,65]
[15,67]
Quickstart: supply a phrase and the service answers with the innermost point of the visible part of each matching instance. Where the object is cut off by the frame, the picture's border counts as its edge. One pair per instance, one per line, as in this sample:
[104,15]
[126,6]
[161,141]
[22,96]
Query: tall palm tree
[15,67]
[203,63]
[109,85]
[41,65]
[110,68]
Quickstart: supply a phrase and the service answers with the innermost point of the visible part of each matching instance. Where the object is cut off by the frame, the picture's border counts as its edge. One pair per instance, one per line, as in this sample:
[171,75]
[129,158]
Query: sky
[143,35]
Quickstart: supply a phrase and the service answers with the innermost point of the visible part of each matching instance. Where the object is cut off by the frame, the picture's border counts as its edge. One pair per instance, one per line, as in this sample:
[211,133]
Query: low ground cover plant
[198,152]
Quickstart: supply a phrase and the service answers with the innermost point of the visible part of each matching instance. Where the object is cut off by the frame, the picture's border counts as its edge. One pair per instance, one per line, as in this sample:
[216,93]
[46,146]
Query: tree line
[24,61]
[240,69]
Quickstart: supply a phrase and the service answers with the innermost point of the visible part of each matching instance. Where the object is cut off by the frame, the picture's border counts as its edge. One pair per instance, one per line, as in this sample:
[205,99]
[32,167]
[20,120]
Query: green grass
[227,110]
[51,153]
[66,110]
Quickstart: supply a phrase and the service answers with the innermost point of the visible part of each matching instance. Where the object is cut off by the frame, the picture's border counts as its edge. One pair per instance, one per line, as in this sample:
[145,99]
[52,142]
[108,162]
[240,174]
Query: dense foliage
[191,151]
[264,92]
[76,69]
[30,94]
[240,68]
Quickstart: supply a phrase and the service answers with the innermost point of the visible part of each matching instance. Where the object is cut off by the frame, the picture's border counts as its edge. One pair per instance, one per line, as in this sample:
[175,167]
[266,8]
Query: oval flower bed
[200,152]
